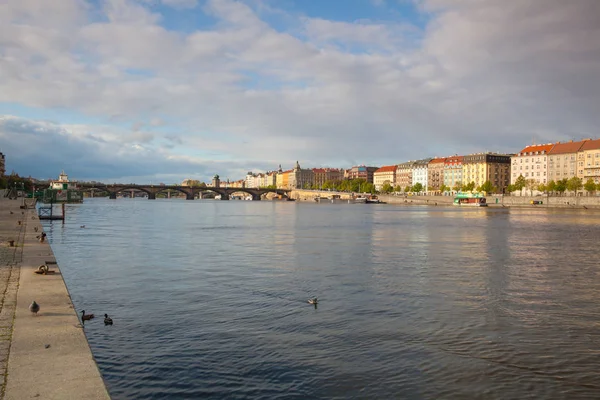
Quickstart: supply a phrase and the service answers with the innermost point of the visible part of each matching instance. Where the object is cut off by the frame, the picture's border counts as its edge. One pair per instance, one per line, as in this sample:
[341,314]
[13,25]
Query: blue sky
[163,90]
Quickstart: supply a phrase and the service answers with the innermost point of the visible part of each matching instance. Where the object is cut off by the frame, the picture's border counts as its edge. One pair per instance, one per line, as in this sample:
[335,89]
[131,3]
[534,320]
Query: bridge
[191,192]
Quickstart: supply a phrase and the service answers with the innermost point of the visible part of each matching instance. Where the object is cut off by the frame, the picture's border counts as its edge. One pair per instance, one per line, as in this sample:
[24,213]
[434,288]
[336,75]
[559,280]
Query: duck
[107,320]
[313,301]
[85,317]
[34,307]
[82,226]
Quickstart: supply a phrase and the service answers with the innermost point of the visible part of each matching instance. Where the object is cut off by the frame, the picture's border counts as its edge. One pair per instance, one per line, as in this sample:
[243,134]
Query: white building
[419,173]
[532,163]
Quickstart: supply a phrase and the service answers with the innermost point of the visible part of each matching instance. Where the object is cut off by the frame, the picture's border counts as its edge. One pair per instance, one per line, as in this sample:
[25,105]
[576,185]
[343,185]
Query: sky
[150,91]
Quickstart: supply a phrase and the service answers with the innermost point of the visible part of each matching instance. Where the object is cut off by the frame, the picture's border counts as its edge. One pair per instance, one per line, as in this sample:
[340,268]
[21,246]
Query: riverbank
[569,202]
[46,355]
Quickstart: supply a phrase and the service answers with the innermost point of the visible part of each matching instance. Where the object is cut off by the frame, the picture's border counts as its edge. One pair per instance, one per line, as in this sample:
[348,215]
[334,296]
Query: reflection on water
[209,299]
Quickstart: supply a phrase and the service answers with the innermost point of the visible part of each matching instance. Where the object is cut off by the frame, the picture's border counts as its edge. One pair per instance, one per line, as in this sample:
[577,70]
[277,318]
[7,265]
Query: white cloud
[485,76]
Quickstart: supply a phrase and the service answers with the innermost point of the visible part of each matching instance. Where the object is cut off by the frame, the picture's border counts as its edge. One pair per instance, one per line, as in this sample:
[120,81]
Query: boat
[374,200]
[470,200]
[360,200]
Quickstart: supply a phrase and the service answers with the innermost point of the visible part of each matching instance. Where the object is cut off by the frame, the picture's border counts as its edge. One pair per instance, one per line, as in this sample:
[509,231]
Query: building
[322,175]
[271,178]
[562,160]
[63,182]
[483,167]
[361,172]
[2,165]
[588,165]
[301,178]
[384,175]
[216,182]
[532,163]
[419,172]
[453,172]
[404,174]
[435,174]
[251,180]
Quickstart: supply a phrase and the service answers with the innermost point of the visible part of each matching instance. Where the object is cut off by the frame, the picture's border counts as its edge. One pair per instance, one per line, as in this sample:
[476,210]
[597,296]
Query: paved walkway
[45,356]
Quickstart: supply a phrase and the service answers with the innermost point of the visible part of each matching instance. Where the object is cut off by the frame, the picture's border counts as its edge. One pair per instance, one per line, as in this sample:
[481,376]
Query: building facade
[453,172]
[2,165]
[435,174]
[532,163]
[419,172]
[301,178]
[483,167]
[588,165]
[562,160]
[361,172]
[383,175]
[404,174]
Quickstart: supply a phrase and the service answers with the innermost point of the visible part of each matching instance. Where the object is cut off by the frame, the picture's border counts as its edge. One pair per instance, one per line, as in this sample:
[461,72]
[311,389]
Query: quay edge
[49,355]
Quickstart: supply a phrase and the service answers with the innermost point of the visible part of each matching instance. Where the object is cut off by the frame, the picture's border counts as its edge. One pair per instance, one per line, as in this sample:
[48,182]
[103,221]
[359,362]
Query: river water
[209,299]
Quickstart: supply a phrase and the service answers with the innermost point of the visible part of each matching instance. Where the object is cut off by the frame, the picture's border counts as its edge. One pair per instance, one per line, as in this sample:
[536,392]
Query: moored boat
[470,200]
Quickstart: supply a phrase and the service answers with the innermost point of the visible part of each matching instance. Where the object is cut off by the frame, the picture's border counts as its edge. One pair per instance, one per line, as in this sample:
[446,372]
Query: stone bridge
[190,192]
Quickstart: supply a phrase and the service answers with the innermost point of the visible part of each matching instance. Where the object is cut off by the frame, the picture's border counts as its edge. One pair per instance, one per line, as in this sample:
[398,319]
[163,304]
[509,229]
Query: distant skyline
[162,90]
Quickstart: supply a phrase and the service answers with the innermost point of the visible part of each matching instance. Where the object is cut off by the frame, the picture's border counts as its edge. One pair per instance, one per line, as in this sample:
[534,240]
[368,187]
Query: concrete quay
[44,356]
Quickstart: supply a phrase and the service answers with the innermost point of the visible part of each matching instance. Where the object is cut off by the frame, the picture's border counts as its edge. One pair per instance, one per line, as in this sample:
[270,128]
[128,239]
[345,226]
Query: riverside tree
[590,186]
[387,188]
[520,183]
[417,187]
[574,184]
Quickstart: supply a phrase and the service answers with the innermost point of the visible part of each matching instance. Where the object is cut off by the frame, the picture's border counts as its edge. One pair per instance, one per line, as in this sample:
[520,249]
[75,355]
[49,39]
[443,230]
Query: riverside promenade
[44,356]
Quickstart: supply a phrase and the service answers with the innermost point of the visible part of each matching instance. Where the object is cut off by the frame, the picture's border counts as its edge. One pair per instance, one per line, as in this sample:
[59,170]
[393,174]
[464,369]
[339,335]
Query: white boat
[470,200]
[360,199]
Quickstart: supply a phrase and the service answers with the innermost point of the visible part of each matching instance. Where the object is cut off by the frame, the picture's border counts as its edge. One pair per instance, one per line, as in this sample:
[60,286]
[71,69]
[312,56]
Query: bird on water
[313,301]
[107,320]
[86,317]
[34,307]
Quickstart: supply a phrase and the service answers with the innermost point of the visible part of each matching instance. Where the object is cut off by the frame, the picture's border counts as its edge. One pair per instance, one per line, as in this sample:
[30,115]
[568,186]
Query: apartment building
[404,174]
[483,167]
[300,178]
[588,165]
[361,172]
[562,160]
[532,163]
[435,174]
[283,179]
[453,171]
[419,172]
[386,174]
[2,165]
[322,175]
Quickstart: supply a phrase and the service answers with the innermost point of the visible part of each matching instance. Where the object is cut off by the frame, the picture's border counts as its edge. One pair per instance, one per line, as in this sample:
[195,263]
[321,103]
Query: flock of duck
[35,308]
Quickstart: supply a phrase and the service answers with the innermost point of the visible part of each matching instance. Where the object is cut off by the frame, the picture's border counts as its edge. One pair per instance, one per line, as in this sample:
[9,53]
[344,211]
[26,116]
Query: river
[209,299]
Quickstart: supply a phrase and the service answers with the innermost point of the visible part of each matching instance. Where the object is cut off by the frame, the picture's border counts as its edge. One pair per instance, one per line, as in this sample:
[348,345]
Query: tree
[407,189]
[417,187]
[590,186]
[444,188]
[469,187]
[542,188]
[511,188]
[520,183]
[487,187]
[397,188]
[457,187]
[531,185]
[574,184]
[561,186]
[551,186]
[387,188]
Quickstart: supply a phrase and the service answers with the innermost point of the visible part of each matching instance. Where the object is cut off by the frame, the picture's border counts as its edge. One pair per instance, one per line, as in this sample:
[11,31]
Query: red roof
[388,168]
[565,148]
[538,147]
[319,170]
[454,159]
[591,145]
[437,160]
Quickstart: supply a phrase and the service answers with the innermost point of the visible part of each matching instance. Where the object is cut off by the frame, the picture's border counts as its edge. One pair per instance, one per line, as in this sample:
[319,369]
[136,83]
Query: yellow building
[589,161]
[483,167]
[384,175]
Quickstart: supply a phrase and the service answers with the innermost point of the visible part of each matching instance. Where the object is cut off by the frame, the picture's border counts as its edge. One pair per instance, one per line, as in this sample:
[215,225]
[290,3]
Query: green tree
[574,184]
[469,187]
[387,188]
[561,186]
[511,188]
[542,188]
[520,183]
[487,187]
[551,187]
[457,186]
[397,188]
[417,187]
[444,188]
[590,186]
[407,189]
[531,185]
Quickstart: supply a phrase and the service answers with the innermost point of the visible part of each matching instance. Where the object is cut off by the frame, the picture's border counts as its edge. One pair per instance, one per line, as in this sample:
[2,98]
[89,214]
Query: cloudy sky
[162,90]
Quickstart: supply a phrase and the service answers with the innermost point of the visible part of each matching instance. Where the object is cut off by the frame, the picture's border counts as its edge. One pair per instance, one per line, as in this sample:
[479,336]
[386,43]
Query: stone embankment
[573,202]
[44,356]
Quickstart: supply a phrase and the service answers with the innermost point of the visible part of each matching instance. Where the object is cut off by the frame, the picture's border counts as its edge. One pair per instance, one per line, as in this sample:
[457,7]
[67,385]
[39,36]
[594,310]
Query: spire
[297,165]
